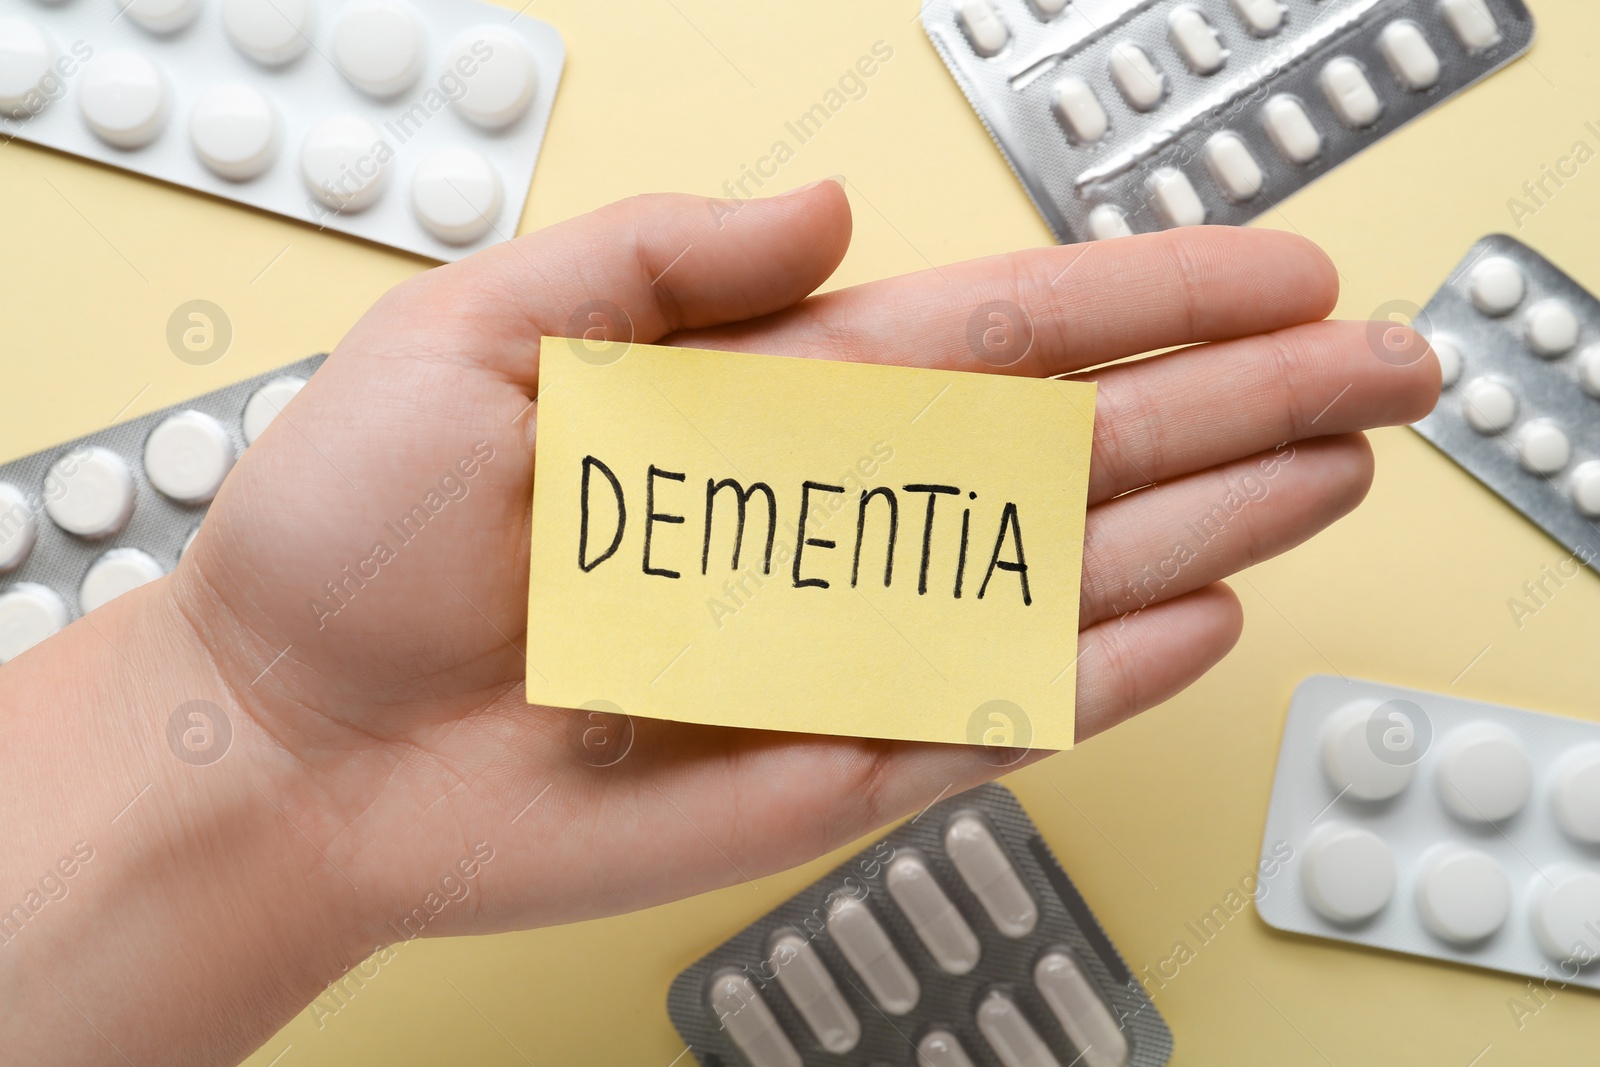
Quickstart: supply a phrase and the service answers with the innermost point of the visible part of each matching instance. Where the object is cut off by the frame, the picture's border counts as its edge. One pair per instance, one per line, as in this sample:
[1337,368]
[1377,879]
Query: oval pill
[1484,773]
[1495,285]
[750,1023]
[940,927]
[265,403]
[1136,76]
[234,131]
[814,993]
[1349,92]
[26,54]
[940,1048]
[1261,17]
[1015,1042]
[1088,1023]
[1236,171]
[187,457]
[378,45]
[863,942]
[1552,328]
[1290,129]
[983,26]
[1195,40]
[1107,221]
[1566,914]
[1079,110]
[1575,796]
[1488,405]
[29,613]
[456,194]
[1472,22]
[1412,60]
[89,492]
[1175,199]
[114,573]
[1543,447]
[18,528]
[1348,874]
[123,98]
[988,873]
[1585,488]
[271,32]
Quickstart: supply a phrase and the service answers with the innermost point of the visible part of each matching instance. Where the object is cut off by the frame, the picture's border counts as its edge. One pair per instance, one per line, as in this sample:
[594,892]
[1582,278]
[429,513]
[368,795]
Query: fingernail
[836,178]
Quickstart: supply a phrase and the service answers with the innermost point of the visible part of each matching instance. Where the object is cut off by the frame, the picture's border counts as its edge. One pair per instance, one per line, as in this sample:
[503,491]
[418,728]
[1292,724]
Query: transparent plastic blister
[86,521]
[1129,116]
[1519,344]
[412,125]
[1440,827]
[957,940]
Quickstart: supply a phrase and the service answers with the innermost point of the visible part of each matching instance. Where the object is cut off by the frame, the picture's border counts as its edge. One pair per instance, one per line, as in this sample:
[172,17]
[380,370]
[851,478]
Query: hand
[388,728]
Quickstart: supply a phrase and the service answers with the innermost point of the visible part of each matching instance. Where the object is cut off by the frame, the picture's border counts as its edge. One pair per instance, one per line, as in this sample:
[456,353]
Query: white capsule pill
[940,1048]
[1589,370]
[89,492]
[1107,221]
[29,613]
[747,1019]
[1575,795]
[1495,285]
[1348,759]
[456,194]
[162,16]
[1462,895]
[234,130]
[1472,22]
[983,26]
[1543,447]
[1412,60]
[1488,405]
[123,98]
[1195,40]
[18,528]
[1348,874]
[345,162]
[1079,110]
[1566,914]
[379,45]
[272,32]
[983,865]
[1449,357]
[1261,17]
[265,403]
[1088,1023]
[863,942]
[25,58]
[1047,8]
[114,573]
[1585,488]
[814,993]
[1236,171]
[1484,773]
[1175,198]
[1136,76]
[187,456]
[942,930]
[1349,93]
[1552,328]
[1015,1042]
[1290,129]
[499,73]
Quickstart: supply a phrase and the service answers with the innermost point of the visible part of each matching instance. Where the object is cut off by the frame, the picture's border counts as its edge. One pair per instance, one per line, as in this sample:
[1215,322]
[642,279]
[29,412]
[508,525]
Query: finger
[1171,539]
[1080,305]
[1184,411]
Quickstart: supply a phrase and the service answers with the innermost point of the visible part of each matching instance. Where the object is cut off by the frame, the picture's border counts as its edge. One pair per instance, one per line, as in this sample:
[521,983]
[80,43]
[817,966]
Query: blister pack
[415,126]
[1439,827]
[1518,342]
[86,521]
[1126,116]
[955,941]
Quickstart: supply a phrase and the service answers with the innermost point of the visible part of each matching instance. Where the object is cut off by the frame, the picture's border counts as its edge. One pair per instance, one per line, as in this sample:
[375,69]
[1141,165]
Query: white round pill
[499,73]
[187,456]
[1495,285]
[1543,446]
[89,492]
[1351,765]
[1566,914]
[265,403]
[25,58]
[1348,874]
[268,31]
[1462,894]
[29,613]
[1552,328]
[1449,357]
[18,528]
[123,97]
[1575,795]
[456,194]
[1589,370]
[378,45]
[1489,405]
[115,573]
[345,162]
[1484,773]
[1108,221]
[162,16]
[1585,488]
[234,130]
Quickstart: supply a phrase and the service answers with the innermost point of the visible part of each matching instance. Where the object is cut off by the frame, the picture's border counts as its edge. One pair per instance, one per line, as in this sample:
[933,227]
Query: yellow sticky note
[906,564]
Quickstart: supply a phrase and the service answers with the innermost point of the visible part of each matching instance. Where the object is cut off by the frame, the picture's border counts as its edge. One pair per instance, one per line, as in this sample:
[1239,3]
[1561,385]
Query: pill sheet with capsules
[1439,827]
[1126,116]
[1518,343]
[956,940]
[412,125]
[89,520]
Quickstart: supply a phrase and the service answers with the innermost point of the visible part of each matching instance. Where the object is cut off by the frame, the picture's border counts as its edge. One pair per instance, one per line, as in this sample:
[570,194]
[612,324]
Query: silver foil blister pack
[1519,346]
[85,521]
[1124,116]
[955,941]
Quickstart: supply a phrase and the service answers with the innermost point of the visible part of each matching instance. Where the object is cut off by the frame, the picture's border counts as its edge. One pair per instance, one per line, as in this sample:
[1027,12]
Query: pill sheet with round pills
[1126,116]
[411,125]
[1439,827]
[1518,343]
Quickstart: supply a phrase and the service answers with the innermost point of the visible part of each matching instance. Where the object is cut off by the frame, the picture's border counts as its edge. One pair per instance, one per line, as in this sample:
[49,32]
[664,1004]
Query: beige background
[1156,820]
